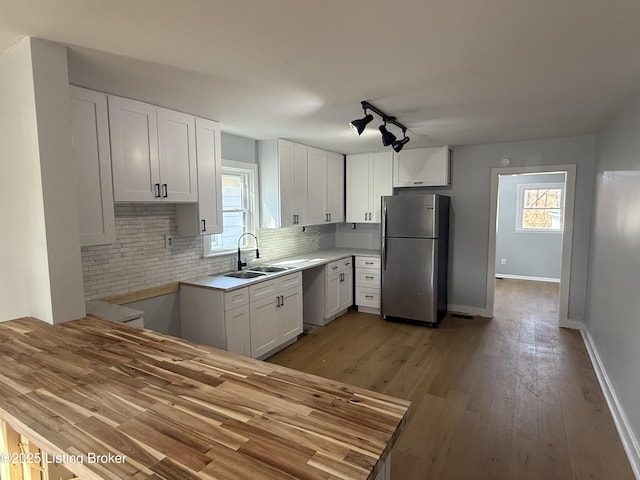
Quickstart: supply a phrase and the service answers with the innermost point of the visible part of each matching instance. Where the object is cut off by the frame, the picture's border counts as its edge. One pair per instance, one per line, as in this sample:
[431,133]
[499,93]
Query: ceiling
[454,71]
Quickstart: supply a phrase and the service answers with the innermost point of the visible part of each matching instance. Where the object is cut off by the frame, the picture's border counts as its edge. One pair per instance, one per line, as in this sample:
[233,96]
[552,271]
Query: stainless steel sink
[244,274]
[268,269]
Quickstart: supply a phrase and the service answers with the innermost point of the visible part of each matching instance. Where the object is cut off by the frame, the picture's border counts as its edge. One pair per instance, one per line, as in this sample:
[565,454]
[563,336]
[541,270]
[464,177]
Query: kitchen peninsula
[174,409]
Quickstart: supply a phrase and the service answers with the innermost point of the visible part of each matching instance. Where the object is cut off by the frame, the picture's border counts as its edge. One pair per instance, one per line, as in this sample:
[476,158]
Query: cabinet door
[204,217]
[290,314]
[381,182]
[237,327]
[357,188]
[421,167]
[316,187]
[134,150]
[177,156]
[286,176]
[332,294]
[346,289]
[300,182]
[92,166]
[335,187]
[265,331]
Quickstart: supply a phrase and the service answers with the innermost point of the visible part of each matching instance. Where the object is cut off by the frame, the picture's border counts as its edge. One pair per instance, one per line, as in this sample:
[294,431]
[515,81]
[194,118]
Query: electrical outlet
[503,261]
[168,241]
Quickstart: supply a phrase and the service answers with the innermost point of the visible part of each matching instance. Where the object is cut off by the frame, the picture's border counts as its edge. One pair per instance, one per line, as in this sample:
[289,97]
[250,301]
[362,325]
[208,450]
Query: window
[239,209]
[540,207]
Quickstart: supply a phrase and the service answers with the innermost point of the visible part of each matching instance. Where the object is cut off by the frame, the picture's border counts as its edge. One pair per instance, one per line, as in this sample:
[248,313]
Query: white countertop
[295,263]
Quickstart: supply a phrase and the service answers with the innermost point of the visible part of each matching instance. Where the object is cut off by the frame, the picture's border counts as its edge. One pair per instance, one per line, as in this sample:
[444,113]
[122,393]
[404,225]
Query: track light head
[387,137]
[360,124]
[397,146]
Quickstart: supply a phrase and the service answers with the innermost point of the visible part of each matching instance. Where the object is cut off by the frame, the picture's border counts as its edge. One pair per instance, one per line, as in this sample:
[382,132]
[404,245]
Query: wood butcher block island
[176,410]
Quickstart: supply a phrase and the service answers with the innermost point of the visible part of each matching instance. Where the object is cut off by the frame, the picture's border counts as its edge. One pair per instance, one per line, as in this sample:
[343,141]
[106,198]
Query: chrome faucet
[240,262]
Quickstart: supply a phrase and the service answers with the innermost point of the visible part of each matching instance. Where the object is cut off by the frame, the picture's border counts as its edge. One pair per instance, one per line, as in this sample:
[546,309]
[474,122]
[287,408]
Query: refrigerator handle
[384,237]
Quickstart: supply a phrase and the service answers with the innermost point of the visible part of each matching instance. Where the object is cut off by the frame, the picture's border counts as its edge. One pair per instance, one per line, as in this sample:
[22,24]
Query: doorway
[534,268]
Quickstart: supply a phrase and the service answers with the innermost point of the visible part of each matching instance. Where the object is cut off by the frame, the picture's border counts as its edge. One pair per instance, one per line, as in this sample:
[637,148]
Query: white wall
[613,307]
[527,254]
[41,273]
[23,258]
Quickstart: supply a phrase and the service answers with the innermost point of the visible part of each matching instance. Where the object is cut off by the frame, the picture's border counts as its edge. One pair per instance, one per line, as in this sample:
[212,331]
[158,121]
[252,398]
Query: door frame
[567,235]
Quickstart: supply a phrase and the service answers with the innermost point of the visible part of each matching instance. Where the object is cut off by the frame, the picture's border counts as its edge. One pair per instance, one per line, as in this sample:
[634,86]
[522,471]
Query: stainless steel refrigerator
[415,244]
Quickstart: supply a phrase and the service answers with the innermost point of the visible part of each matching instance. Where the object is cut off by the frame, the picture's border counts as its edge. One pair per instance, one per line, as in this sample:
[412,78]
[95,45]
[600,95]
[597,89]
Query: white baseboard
[629,441]
[525,277]
[467,310]
[573,324]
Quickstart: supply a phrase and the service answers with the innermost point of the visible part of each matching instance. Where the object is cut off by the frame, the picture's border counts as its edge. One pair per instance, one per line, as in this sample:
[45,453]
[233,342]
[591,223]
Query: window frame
[250,170]
[522,187]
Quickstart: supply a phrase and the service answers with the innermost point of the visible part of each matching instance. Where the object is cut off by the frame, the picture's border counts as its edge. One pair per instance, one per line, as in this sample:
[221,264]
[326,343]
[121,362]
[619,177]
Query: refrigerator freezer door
[410,216]
[409,267]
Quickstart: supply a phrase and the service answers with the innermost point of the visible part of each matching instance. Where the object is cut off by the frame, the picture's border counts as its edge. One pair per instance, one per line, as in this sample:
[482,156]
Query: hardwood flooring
[513,397]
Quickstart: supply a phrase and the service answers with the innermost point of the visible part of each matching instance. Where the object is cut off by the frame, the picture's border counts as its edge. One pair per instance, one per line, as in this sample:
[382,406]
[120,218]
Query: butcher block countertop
[176,410]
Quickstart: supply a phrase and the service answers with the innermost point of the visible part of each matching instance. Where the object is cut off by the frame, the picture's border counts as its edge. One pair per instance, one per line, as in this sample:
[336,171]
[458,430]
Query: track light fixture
[399,145]
[388,138]
[360,124]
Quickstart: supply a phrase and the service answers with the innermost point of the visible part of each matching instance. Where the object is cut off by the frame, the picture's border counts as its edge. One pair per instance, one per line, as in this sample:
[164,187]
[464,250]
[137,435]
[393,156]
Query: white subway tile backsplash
[138,258]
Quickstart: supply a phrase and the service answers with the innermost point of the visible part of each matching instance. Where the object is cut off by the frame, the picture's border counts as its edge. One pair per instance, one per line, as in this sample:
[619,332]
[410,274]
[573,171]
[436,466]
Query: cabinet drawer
[264,289]
[339,265]
[367,277]
[368,262]
[368,297]
[236,298]
[290,281]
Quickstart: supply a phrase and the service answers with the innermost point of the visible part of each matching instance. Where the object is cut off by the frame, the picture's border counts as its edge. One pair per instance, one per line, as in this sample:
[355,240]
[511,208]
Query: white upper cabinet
[153,153]
[204,217]
[92,166]
[418,167]
[299,185]
[316,186]
[369,177]
[177,156]
[334,204]
[283,183]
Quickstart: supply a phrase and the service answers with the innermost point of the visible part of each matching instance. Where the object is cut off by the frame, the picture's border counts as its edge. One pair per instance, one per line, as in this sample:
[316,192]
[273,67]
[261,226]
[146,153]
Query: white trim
[525,277]
[468,310]
[252,170]
[565,276]
[571,324]
[629,441]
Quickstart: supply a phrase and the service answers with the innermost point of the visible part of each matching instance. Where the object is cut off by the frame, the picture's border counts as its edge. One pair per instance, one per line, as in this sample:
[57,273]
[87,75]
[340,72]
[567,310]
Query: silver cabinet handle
[329,217]
[156,190]
[282,300]
[277,301]
[368,263]
[368,296]
[418,183]
[204,225]
[165,193]
[369,277]
[335,267]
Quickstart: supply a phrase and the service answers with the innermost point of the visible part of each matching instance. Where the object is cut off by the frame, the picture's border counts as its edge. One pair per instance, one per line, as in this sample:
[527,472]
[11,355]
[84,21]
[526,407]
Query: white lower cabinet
[275,313]
[368,284]
[237,330]
[339,287]
[252,321]
[216,318]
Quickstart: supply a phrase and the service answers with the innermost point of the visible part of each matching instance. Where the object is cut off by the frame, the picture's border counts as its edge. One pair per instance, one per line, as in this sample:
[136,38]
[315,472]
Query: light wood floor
[513,397]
